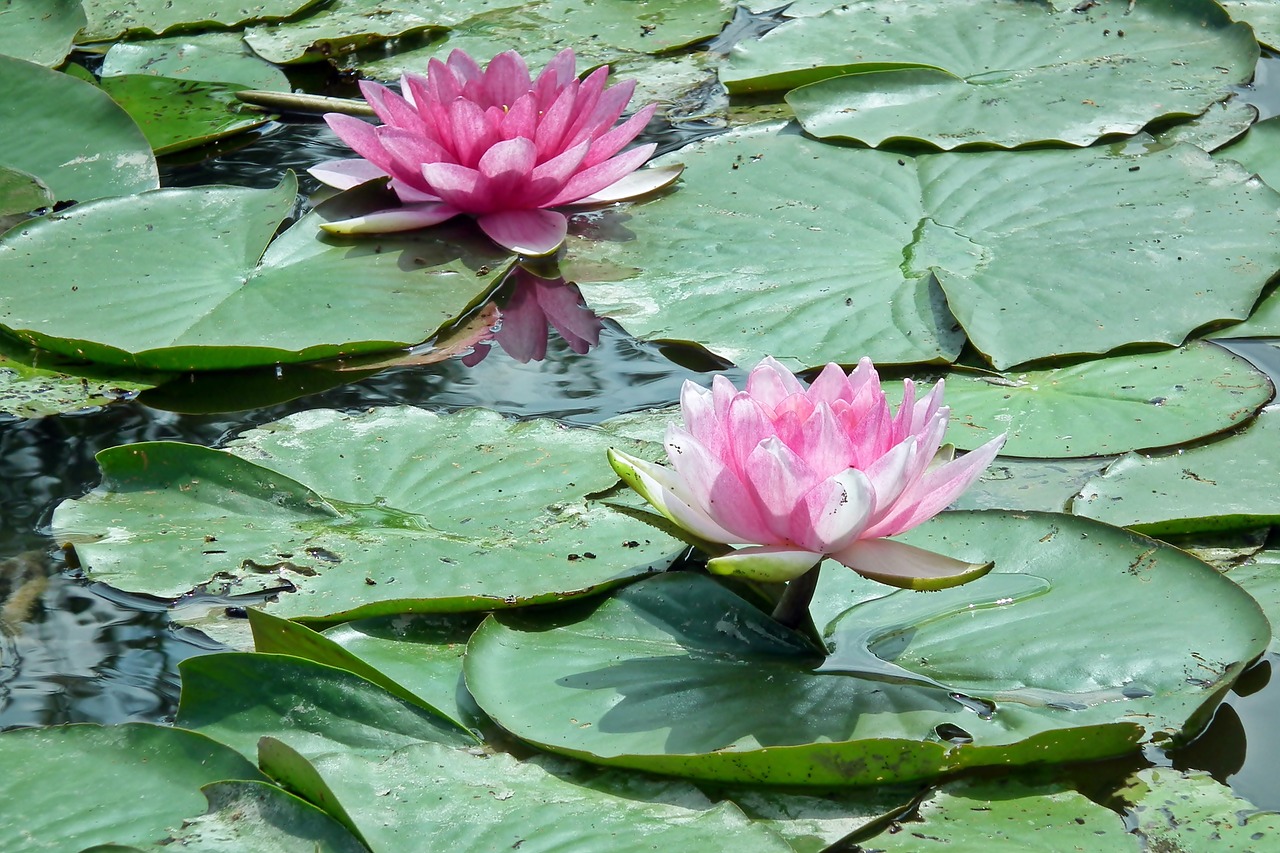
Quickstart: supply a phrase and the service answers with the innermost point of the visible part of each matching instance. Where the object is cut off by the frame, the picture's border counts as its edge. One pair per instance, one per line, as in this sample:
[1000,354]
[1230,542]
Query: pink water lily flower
[494,144]
[797,474]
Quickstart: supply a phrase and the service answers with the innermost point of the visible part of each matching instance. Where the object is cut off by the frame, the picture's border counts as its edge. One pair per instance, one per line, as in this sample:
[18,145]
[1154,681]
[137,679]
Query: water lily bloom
[797,474]
[497,145]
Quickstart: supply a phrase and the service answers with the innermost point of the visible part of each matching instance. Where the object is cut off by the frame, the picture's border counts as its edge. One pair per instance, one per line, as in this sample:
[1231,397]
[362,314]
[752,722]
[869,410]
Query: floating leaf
[1257,151]
[1262,15]
[178,114]
[813,823]
[1228,484]
[252,817]
[39,33]
[1030,664]
[1035,74]
[70,787]
[1047,485]
[27,391]
[1193,813]
[1108,406]
[825,253]
[209,57]
[110,19]
[1220,125]
[20,193]
[990,815]
[178,279]
[74,138]
[458,512]
[1260,577]
[238,697]
[450,800]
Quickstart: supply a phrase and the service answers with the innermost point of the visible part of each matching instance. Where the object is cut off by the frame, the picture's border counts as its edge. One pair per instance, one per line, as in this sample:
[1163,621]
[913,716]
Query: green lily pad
[178,279]
[1227,484]
[1257,151]
[1262,15]
[392,511]
[71,787]
[422,652]
[1077,646]
[252,817]
[816,822]
[449,800]
[1260,577]
[238,697]
[825,253]
[21,193]
[1220,125]
[27,391]
[179,114]
[40,33]
[210,57]
[110,19]
[344,26]
[1008,815]
[1108,406]
[415,657]
[617,32]
[74,137]
[882,71]
[1047,485]
[1192,813]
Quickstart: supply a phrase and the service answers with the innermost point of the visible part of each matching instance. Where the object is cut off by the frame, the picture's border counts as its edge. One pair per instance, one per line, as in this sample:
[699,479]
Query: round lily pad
[824,253]
[1078,645]
[40,33]
[1108,406]
[392,511]
[183,279]
[74,137]
[1003,73]
[215,57]
[110,19]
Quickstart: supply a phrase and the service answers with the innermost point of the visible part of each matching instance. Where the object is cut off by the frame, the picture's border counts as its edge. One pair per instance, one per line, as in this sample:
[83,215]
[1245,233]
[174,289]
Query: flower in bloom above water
[494,144]
[797,474]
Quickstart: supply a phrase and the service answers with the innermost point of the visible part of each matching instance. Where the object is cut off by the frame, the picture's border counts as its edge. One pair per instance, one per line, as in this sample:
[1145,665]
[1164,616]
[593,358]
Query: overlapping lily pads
[178,114]
[393,511]
[183,279]
[1227,484]
[1107,406]
[109,19]
[678,675]
[215,57]
[135,782]
[1262,15]
[1003,73]
[39,32]
[775,244]
[74,138]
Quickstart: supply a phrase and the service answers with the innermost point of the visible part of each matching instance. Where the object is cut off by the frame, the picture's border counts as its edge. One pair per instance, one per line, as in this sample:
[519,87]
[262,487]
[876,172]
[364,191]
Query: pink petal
[594,119]
[746,425]
[414,87]
[557,74]
[527,232]
[610,143]
[892,473]
[391,108]
[457,185]
[832,384]
[406,218]
[602,175]
[411,195]
[771,563]
[555,122]
[717,489]
[345,174]
[638,183]
[505,169]
[666,493]
[697,408]
[472,131]
[770,383]
[834,513]
[823,443]
[568,313]
[779,479]
[550,177]
[521,119]
[463,68]
[906,566]
[361,137]
[506,79]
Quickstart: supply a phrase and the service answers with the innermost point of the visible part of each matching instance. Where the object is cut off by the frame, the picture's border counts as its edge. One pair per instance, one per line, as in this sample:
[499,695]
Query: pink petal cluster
[798,474]
[497,145]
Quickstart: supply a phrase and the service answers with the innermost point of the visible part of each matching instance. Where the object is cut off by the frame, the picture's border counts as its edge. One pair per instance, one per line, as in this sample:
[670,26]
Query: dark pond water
[71,650]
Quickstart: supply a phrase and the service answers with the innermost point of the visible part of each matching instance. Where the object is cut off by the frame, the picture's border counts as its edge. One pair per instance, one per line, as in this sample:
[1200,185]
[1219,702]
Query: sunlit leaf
[1196,814]
[211,57]
[39,32]
[177,114]
[109,19]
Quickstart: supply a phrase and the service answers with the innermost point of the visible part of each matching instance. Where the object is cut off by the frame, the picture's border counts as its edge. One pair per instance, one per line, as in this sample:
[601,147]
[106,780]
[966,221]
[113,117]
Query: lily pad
[448,800]
[1047,485]
[825,253]
[343,26]
[238,697]
[1257,151]
[1008,815]
[179,114]
[1108,406]
[676,674]
[27,391]
[392,511]
[21,193]
[40,33]
[1260,577]
[209,57]
[1262,15]
[252,817]
[71,787]
[816,822]
[1228,484]
[110,19]
[1193,813]
[178,279]
[1003,74]
[74,137]
[1218,126]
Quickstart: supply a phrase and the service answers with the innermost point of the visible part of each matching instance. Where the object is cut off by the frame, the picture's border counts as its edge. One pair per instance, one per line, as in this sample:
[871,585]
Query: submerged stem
[792,609]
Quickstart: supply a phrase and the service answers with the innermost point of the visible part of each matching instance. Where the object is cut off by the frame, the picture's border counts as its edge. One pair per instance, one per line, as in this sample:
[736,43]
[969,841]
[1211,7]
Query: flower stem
[792,609]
